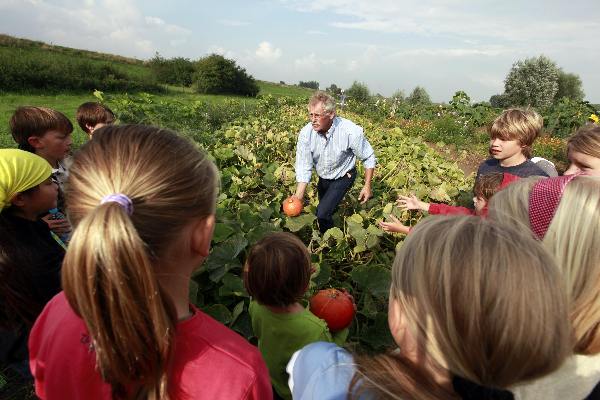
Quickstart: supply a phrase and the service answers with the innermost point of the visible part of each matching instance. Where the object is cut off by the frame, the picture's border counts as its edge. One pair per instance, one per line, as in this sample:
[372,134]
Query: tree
[419,96]
[216,74]
[309,84]
[569,85]
[399,96]
[334,90]
[174,71]
[358,91]
[500,101]
[533,81]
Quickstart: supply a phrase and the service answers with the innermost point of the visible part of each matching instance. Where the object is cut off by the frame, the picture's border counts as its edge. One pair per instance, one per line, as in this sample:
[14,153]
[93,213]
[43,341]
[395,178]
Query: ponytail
[110,282]
[110,269]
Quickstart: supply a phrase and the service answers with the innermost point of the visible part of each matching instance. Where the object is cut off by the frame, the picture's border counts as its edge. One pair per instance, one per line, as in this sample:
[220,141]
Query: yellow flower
[594,118]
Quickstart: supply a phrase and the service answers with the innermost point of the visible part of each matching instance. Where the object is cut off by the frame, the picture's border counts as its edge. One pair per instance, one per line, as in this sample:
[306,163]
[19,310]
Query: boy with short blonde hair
[93,115]
[511,137]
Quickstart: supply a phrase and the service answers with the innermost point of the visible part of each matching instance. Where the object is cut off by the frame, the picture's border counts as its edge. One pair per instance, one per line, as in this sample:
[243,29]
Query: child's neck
[517,159]
[25,214]
[290,309]
[51,160]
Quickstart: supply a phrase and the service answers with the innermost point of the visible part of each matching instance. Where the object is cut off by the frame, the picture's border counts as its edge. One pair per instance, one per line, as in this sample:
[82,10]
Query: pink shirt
[210,360]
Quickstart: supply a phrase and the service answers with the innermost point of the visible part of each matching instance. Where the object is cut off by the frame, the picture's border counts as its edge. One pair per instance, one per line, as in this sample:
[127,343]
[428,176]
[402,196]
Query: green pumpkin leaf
[374,278]
[294,224]
[219,312]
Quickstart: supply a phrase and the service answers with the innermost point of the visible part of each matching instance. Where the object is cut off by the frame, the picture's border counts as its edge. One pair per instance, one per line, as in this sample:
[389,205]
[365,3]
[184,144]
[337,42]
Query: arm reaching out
[395,226]
[411,203]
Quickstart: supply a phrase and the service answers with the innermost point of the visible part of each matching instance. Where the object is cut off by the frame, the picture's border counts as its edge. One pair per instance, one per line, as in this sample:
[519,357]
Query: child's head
[563,213]
[92,115]
[477,299]
[583,150]
[514,132]
[43,131]
[277,270]
[26,186]
[140,215]
[488,185]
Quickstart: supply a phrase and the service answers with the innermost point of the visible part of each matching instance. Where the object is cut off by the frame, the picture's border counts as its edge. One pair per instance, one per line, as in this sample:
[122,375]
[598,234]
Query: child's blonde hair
[36,121]
[521,124]
[277,270]
[109,271]
[573,238]
[479,299]
[586,140]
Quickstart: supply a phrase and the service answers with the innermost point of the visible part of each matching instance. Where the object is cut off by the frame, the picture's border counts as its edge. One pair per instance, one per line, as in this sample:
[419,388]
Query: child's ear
[18,200]
[202,234]
[35,142]
[89,129]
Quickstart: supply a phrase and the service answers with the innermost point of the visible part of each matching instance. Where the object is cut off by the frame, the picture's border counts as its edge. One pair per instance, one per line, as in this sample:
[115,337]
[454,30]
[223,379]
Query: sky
[389,45]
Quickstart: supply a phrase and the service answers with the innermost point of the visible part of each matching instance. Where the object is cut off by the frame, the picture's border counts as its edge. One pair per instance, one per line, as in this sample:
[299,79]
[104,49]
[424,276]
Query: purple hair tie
[120,198]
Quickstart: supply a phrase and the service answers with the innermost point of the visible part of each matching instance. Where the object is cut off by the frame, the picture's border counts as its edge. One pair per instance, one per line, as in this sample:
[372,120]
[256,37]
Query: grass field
[67,103]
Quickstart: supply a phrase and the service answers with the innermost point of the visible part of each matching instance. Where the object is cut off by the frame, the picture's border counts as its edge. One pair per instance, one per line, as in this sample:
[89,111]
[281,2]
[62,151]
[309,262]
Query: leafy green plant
[254,154]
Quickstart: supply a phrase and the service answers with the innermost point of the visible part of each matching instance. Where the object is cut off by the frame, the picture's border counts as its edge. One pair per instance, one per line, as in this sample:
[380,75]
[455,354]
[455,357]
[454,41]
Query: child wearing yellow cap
[30,255]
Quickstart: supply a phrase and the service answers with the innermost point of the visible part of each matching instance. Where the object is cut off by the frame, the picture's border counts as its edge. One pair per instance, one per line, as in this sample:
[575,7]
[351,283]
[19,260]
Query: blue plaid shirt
[334,153]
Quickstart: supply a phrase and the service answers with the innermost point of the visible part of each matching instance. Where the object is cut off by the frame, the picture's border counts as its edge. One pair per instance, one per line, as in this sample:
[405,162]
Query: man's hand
[395,226]
[411,203]
[365,194]
[57,225]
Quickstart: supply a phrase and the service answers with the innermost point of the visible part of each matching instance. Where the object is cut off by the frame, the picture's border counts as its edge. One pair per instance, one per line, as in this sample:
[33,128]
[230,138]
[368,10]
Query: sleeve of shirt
[321,371]
[303,157]
[444,209]
[362,148]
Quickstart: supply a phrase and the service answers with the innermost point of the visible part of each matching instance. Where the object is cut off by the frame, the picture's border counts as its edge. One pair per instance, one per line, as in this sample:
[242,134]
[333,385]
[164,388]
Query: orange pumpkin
[333,306]
[292,206]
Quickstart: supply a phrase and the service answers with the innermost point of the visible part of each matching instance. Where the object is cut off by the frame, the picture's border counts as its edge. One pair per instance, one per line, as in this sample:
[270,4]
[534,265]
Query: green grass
[67,103]
[278,90]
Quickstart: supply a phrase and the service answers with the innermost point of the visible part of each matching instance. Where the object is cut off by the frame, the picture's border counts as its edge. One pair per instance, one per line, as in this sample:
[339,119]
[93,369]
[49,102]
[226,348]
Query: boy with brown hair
[93,115]
[47,133]
[511,136]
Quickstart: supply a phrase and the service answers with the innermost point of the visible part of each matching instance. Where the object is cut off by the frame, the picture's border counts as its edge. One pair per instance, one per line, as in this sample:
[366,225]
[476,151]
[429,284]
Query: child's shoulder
[210,336]
[296,321]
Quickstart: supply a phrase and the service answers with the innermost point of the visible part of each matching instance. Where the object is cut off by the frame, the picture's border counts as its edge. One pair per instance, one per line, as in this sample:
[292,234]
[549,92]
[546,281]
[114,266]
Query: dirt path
[467,160]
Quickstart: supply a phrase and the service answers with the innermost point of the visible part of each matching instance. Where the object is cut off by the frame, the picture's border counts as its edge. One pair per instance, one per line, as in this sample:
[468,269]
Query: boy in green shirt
[276,275]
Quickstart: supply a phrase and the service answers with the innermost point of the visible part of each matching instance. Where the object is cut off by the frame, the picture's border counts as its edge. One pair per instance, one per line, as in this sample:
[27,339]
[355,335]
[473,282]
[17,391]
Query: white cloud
[114,26]
[267,53]
[154,21]
[312,63]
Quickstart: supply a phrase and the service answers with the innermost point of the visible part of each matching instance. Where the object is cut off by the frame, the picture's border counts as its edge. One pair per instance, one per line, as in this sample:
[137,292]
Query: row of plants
[255,156]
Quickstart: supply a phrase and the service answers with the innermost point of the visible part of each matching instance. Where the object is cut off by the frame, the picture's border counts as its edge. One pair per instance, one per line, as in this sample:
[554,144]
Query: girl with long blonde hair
[471,306]
[563,213]
[142,201]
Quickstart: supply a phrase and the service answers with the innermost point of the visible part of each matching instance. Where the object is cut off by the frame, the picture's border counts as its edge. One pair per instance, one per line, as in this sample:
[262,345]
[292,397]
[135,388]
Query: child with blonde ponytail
[142,201]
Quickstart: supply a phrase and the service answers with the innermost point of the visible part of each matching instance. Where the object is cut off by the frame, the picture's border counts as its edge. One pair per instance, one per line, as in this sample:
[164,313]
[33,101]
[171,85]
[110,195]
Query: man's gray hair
[323,97]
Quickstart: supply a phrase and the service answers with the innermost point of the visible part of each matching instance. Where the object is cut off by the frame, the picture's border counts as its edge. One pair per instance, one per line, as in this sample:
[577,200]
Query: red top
[444,209]
[210,360]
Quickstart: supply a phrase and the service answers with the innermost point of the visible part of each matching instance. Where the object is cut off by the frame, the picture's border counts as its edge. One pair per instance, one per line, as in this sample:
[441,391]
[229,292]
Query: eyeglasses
[315,115]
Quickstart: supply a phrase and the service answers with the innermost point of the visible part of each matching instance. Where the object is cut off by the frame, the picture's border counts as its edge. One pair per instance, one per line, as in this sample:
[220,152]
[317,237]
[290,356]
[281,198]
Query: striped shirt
[333,153]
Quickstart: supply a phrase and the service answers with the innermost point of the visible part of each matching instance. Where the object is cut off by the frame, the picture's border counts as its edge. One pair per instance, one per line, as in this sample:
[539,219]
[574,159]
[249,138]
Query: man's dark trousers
[331,192]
